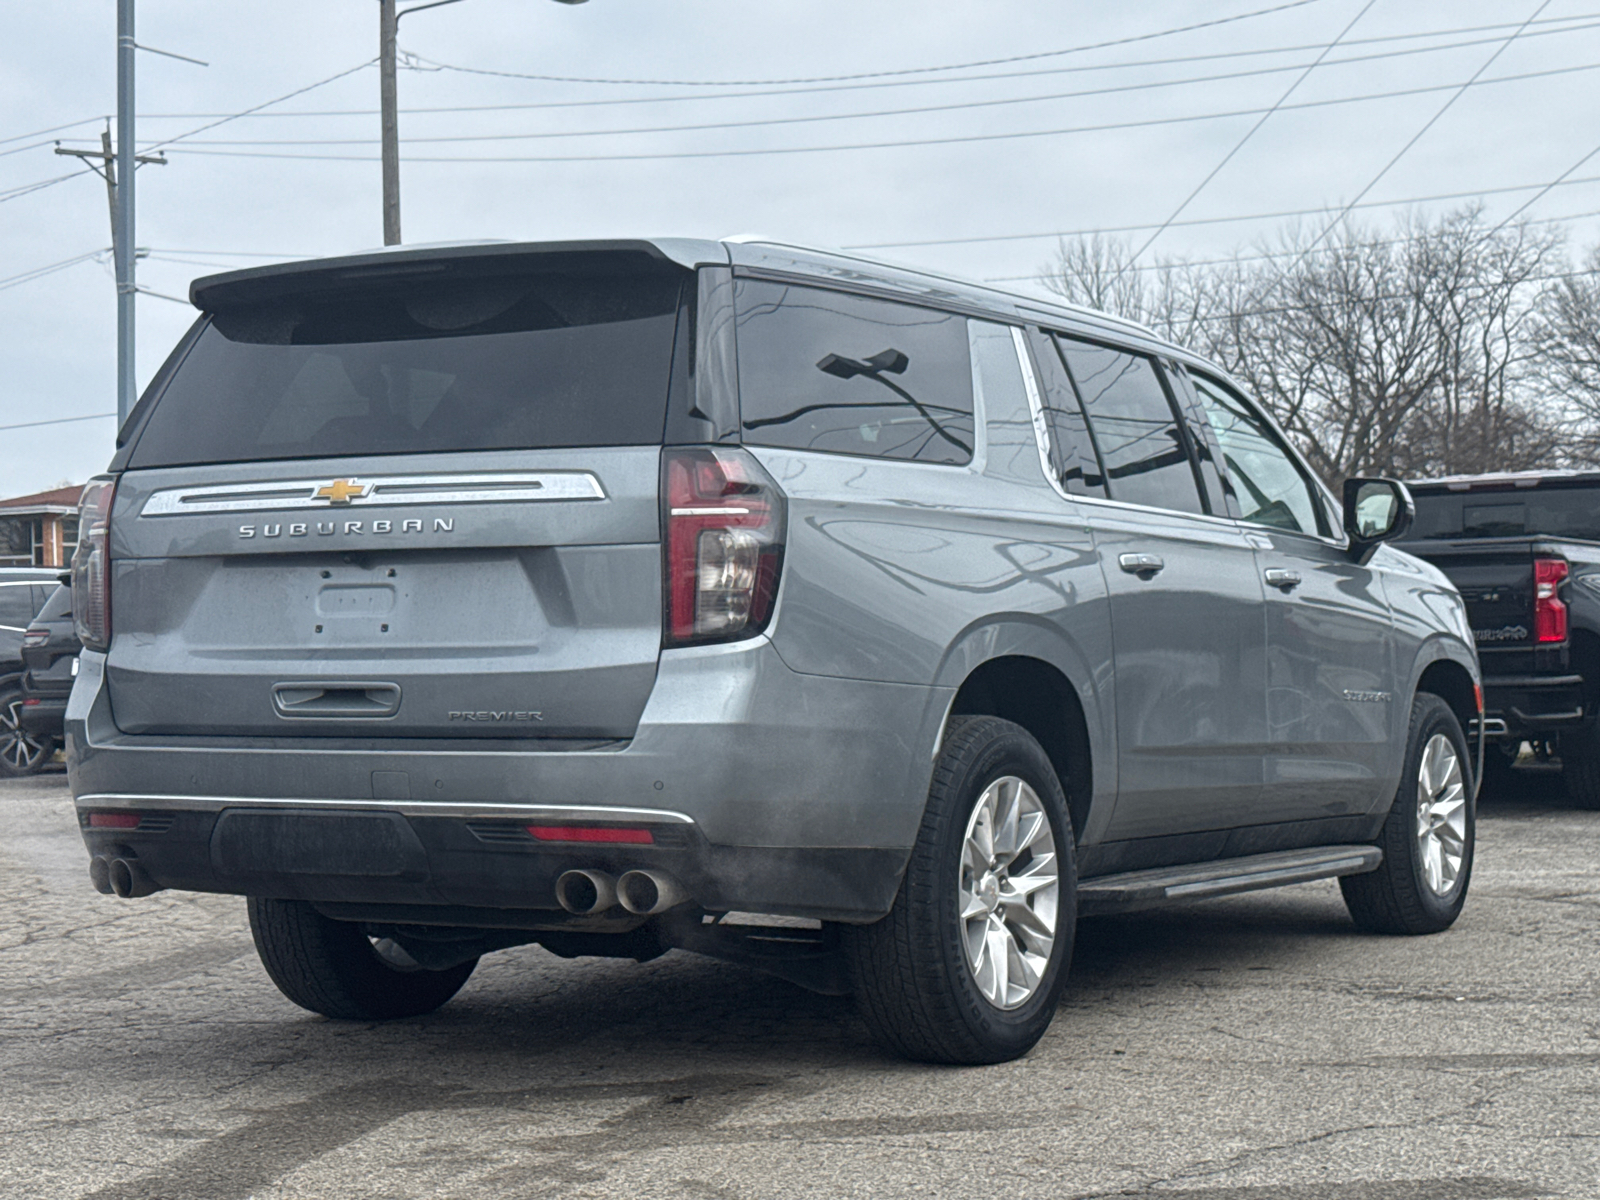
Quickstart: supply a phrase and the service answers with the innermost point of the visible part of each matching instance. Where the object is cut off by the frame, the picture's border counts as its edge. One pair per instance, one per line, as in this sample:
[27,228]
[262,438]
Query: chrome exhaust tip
[645,893]
[585,893]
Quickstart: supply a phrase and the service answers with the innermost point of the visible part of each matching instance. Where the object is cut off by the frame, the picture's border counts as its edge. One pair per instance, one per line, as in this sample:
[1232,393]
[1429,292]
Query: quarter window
[1072,456]
[1145,455]
[1267,483]
[821,370]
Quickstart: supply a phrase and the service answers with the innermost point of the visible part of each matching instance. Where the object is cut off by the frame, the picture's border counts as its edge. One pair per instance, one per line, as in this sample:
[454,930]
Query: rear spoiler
[451,262]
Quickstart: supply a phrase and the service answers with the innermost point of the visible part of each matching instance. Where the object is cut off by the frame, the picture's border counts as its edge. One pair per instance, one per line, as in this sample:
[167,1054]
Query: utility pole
[388,23]
[122,247]
[121,235]
[388,28]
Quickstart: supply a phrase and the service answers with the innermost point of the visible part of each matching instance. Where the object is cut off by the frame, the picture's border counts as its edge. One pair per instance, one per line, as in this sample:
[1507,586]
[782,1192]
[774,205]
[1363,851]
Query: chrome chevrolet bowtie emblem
[342,491]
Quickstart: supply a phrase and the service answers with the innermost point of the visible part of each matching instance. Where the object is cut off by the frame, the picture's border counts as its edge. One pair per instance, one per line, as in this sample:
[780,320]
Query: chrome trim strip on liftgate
[466,810]
[375,491]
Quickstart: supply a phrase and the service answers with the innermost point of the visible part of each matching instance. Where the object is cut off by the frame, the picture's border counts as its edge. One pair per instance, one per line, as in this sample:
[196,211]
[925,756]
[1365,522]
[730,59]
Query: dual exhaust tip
[120,876]
[643,893]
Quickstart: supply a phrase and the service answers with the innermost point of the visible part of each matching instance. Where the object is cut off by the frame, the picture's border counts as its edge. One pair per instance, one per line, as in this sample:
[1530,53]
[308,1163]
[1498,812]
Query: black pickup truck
[1524,550]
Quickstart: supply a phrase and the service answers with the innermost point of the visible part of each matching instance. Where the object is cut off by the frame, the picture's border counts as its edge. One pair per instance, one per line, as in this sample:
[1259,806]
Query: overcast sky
[282,183]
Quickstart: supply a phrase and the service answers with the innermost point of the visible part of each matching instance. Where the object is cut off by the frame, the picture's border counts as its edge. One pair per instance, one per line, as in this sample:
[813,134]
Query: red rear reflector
[591,833]
[30,703]
[114,820]
[1549,612]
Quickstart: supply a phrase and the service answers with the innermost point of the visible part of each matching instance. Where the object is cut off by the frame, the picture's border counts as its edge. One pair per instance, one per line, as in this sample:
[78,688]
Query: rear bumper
[767,790]
[1533,705]
[44,716]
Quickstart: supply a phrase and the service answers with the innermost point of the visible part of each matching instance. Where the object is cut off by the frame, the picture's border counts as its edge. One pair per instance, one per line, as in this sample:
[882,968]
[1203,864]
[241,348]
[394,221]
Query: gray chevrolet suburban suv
[861,625]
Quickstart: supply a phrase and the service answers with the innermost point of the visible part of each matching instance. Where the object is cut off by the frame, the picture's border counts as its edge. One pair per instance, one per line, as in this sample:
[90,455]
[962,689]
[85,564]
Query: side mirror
[1375,510]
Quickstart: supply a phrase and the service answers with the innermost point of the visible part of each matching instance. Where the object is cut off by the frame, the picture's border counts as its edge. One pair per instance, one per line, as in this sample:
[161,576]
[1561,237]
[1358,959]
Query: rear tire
[21,753]
[330,967]
[969,964]
[1429,836]
[1580,768]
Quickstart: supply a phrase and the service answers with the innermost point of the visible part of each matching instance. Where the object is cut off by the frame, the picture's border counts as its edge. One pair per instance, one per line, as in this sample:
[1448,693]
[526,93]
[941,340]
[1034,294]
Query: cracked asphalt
[1253,1048]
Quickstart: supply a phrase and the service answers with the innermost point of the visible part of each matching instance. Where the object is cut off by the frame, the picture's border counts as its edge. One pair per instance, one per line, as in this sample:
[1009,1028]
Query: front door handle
[1143,565]
[1279,577]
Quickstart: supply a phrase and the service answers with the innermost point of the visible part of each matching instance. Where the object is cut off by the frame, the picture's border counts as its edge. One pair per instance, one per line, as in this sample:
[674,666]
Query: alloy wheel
[1441,815]
[19,750]
[1009,898]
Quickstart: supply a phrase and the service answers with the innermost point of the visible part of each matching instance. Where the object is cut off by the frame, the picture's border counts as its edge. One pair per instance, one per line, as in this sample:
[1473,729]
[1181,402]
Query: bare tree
[1414,353]
[1569,349]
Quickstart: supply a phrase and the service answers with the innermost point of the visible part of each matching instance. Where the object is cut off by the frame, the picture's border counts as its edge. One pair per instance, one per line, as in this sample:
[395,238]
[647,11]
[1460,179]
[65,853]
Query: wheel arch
[1035,677]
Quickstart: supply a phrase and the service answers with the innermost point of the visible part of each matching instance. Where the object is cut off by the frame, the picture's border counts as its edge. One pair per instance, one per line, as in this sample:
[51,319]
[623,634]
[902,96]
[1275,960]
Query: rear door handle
[1279,577]
[1142,565]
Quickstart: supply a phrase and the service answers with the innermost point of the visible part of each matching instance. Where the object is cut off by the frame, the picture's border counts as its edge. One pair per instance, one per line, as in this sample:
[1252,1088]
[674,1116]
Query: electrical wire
[962,139]
[256,108]
[22,137]
[821,117]
[1270,255]
[40,272]
[58,421]
[1566,22]
[987,62]
[1544,191]
[1267,216]
[1249,133]
[29,188]
[1416,137]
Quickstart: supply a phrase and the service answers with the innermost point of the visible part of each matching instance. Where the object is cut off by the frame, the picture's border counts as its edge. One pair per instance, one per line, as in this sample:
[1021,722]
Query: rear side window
[494,364]
[16,606]
[821,370]
[58,607]
[1145,455]
[1072,455]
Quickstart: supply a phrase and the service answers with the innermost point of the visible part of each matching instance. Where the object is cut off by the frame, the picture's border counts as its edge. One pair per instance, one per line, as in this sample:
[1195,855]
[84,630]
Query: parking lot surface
[1254,1048]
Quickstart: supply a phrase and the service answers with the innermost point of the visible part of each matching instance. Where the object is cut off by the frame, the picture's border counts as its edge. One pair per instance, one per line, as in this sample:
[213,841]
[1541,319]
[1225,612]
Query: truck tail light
[723,526]
[91,566]
[1549,613]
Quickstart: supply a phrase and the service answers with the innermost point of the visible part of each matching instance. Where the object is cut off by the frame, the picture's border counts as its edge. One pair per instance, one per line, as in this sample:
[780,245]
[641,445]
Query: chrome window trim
[382,491]
[465,810]
[1041,431]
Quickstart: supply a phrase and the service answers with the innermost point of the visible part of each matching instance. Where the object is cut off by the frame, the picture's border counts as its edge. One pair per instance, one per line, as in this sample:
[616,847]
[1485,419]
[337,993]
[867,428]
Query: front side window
[1146,458]
[1267,483]
[821,370]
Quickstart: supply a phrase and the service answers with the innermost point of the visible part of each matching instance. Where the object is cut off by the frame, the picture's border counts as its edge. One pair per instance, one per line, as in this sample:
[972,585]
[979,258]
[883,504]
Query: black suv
[50,664]
[23,592]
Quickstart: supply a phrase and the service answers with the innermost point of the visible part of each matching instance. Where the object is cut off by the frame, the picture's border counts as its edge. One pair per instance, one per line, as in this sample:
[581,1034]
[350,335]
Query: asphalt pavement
[1253,1048]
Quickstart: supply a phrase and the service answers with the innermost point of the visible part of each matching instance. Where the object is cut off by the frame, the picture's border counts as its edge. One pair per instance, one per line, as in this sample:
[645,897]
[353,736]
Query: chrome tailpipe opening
[586,893]
[645,893]
[128,879]
[100,874]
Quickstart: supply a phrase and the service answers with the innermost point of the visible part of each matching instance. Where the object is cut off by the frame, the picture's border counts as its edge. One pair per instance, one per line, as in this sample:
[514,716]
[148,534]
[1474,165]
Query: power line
[1270,255]
[267,104]
[1542,192]
[1416,137]
[1567,22]
[987,62]
[1266,216]
[22,137]
[1250,133]
[39,272]
[28,188]
[821,117]
[900,143]
[59,421]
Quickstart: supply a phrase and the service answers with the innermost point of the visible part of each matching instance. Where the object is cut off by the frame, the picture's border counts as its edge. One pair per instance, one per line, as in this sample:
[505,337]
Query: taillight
[35,637]
[723,526]
[91,566]
[1549,613]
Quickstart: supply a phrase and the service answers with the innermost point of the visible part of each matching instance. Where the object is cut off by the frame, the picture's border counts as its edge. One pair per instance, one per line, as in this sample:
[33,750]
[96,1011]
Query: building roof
[57,498]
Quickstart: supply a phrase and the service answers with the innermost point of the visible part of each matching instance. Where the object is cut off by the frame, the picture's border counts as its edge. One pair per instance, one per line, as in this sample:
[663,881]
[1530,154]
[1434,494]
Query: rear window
[822,370]
[497,364]
[1567,512]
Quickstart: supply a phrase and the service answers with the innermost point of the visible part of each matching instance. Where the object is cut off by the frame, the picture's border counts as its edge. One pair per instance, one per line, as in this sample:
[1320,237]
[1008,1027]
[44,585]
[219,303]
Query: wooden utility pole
[387,23]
